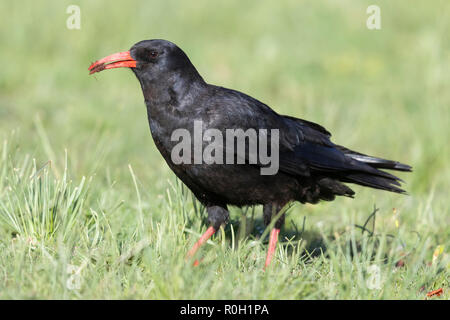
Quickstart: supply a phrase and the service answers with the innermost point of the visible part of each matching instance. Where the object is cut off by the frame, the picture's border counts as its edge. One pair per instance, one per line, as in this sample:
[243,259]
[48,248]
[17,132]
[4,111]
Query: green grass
[89,209]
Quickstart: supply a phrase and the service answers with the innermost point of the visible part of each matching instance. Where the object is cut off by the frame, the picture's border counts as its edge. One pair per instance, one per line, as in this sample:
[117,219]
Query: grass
[89,209]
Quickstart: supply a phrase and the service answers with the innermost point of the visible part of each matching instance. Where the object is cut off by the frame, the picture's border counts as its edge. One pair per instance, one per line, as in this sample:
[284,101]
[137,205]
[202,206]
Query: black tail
[378,179]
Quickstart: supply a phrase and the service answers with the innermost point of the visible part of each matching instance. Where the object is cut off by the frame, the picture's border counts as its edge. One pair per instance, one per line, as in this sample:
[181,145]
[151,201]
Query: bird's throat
[176,93]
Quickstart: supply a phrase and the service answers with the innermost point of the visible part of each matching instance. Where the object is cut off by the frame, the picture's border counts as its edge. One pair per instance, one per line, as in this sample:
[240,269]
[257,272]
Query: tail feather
[376,162]
[382,163]
[344,165]
[378,181]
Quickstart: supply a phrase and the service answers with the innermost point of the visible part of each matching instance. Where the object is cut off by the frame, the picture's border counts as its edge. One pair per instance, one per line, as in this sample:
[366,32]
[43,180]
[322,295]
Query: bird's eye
[153,54]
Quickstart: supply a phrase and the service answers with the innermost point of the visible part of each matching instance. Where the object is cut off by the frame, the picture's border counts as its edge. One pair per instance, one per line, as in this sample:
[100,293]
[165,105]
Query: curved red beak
[116,60]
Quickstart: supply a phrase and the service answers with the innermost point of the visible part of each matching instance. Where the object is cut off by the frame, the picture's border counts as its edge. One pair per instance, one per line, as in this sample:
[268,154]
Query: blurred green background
[382,92]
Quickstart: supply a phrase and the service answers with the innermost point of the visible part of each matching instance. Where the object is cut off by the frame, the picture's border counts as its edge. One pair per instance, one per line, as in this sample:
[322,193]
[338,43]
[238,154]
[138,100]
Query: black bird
[311,167]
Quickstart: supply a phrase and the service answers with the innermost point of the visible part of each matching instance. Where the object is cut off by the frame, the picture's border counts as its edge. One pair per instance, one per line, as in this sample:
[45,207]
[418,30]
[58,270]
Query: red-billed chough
[310,167]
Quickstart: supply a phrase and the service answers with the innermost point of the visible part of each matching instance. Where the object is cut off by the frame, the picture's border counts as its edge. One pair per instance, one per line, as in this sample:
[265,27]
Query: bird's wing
[230,109]
[304,147]
[234,109]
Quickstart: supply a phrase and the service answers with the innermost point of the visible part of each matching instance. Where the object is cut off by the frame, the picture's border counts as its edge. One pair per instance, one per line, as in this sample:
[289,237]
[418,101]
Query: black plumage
[311,167]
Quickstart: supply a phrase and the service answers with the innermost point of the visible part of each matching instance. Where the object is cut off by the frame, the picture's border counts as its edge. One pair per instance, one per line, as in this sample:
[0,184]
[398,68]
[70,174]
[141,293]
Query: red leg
[272,246]
[209,232]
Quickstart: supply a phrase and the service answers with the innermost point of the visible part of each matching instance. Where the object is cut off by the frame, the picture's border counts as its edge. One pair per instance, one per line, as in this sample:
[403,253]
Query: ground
[89,209]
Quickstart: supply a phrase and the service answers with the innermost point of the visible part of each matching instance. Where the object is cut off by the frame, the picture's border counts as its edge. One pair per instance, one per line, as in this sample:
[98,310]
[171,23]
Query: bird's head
[151,61]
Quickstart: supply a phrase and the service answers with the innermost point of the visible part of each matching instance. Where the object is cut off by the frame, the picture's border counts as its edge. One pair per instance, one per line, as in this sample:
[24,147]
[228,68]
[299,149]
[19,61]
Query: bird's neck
[175,89]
